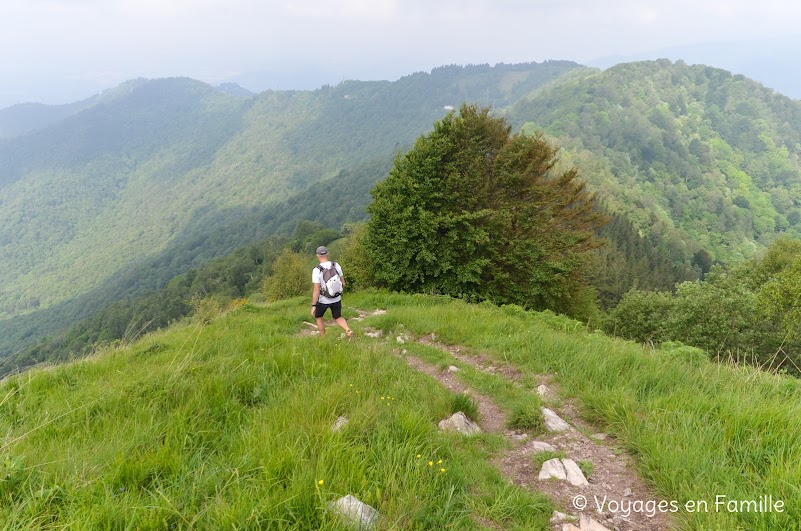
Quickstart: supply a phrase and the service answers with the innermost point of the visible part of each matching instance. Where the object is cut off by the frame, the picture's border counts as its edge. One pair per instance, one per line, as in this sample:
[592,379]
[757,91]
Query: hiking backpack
[331,285]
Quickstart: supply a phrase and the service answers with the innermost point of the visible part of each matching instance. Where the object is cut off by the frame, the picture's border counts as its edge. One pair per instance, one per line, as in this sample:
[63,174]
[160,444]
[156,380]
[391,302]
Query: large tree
[474,211]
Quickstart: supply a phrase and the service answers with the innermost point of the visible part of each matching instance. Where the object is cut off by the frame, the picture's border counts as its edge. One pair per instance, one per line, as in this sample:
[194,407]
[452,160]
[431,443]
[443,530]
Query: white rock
[628,492]
[557,517]
[453,368]
[340,423]
[588,524]
[553,422]
[600,436]
[569,527]
[355,512]
[459,422]
[553,468]
[574,474]
[400,339]
[539,446]
[543,391]
[374,333]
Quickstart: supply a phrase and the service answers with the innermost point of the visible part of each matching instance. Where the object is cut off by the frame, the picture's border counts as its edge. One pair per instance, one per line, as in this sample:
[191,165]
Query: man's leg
[319,313]
[336,313]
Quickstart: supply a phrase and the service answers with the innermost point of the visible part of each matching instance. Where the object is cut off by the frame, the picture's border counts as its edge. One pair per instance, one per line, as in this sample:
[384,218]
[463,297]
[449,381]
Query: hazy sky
[62,49]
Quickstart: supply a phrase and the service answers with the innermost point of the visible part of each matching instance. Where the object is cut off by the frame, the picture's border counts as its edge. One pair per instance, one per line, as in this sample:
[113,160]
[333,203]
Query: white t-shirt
[317,278]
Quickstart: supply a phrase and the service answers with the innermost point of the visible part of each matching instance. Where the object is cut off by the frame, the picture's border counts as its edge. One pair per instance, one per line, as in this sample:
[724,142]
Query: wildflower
[431,463]
[320,482]
[382,398]
[441,470]
[418,456]
[439,462]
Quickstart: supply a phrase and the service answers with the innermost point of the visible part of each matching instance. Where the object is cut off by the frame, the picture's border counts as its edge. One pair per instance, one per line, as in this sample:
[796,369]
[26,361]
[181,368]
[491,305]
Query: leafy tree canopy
[477,212]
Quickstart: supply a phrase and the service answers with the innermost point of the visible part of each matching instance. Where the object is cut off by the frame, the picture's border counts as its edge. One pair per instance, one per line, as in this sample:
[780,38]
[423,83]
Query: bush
[291,276]
[355,260]
[643,316]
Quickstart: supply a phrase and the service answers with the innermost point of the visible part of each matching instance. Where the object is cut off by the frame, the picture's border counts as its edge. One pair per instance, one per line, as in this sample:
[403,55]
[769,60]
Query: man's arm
[315,296]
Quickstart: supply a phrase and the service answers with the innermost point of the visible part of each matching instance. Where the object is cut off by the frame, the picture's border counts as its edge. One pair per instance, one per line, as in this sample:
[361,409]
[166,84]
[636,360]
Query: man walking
[328,283]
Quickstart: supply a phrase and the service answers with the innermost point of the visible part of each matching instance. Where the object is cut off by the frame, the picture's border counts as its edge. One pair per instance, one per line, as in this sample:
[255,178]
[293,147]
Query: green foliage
[291,276]
[703,158]
[643,316]
[587,468]
[356,259]
[750,313]
[475,212]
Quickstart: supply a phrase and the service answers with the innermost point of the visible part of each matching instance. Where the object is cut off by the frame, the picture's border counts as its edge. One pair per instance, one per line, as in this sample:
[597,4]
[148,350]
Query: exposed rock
[628,492]
[553,468]
[574,474]
[356,513]
[453,368]
[544,392]
[553,422]
[539,446]
[459,422]
[340,423]
[558,517]
[570,527]
[400,339]
[515,436]
[588,524]
[599,436]
[374,333]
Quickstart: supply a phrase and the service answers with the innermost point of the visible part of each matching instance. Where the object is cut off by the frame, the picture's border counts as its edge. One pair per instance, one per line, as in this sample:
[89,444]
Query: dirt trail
[613,478]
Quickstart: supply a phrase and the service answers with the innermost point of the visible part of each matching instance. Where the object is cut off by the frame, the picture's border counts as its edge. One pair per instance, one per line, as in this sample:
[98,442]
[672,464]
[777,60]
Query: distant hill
[150,173]
[26,117]
[710,159]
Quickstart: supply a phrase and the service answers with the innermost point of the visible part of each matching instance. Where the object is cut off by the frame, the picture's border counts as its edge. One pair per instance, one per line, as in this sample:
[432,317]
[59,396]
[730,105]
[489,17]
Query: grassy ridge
[228,426]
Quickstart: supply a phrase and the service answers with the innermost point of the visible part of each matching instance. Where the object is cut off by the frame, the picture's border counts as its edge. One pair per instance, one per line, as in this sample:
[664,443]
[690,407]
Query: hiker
[328,283]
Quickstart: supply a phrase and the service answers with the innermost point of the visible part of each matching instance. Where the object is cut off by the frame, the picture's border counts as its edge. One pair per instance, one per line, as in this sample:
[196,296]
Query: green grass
[696,429]
[227,426]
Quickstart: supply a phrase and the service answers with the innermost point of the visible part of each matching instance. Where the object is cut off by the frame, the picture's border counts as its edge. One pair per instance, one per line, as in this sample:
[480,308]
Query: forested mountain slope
[707,159]
[161,175]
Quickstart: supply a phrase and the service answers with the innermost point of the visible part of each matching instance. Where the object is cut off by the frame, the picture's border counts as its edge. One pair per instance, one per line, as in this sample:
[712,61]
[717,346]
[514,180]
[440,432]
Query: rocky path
[602,501]
[611,496]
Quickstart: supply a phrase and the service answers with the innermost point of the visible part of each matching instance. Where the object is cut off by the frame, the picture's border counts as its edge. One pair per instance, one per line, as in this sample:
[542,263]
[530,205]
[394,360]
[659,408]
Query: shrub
[291,276]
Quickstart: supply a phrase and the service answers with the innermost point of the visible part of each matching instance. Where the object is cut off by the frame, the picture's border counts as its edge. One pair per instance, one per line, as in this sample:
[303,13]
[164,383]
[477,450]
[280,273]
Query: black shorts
[336,309]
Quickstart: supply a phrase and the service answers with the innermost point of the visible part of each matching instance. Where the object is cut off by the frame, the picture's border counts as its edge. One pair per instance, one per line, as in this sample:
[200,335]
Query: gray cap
[322,250]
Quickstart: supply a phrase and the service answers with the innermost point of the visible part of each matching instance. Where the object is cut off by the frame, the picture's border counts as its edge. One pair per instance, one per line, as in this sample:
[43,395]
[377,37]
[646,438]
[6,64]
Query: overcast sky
[59,50]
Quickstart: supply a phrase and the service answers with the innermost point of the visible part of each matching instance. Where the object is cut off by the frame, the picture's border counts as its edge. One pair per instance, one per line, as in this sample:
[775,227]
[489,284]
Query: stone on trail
[543,391]
[553,422]
[570,527]
[557,517]
[574,474]
[459,422]
[553,468]
[539,446]
[340,423]
[588,524]
[453,368]
[359,514]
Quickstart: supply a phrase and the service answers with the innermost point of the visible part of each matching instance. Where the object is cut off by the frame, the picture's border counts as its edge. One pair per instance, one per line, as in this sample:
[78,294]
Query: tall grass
[697,429]
[228,426]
